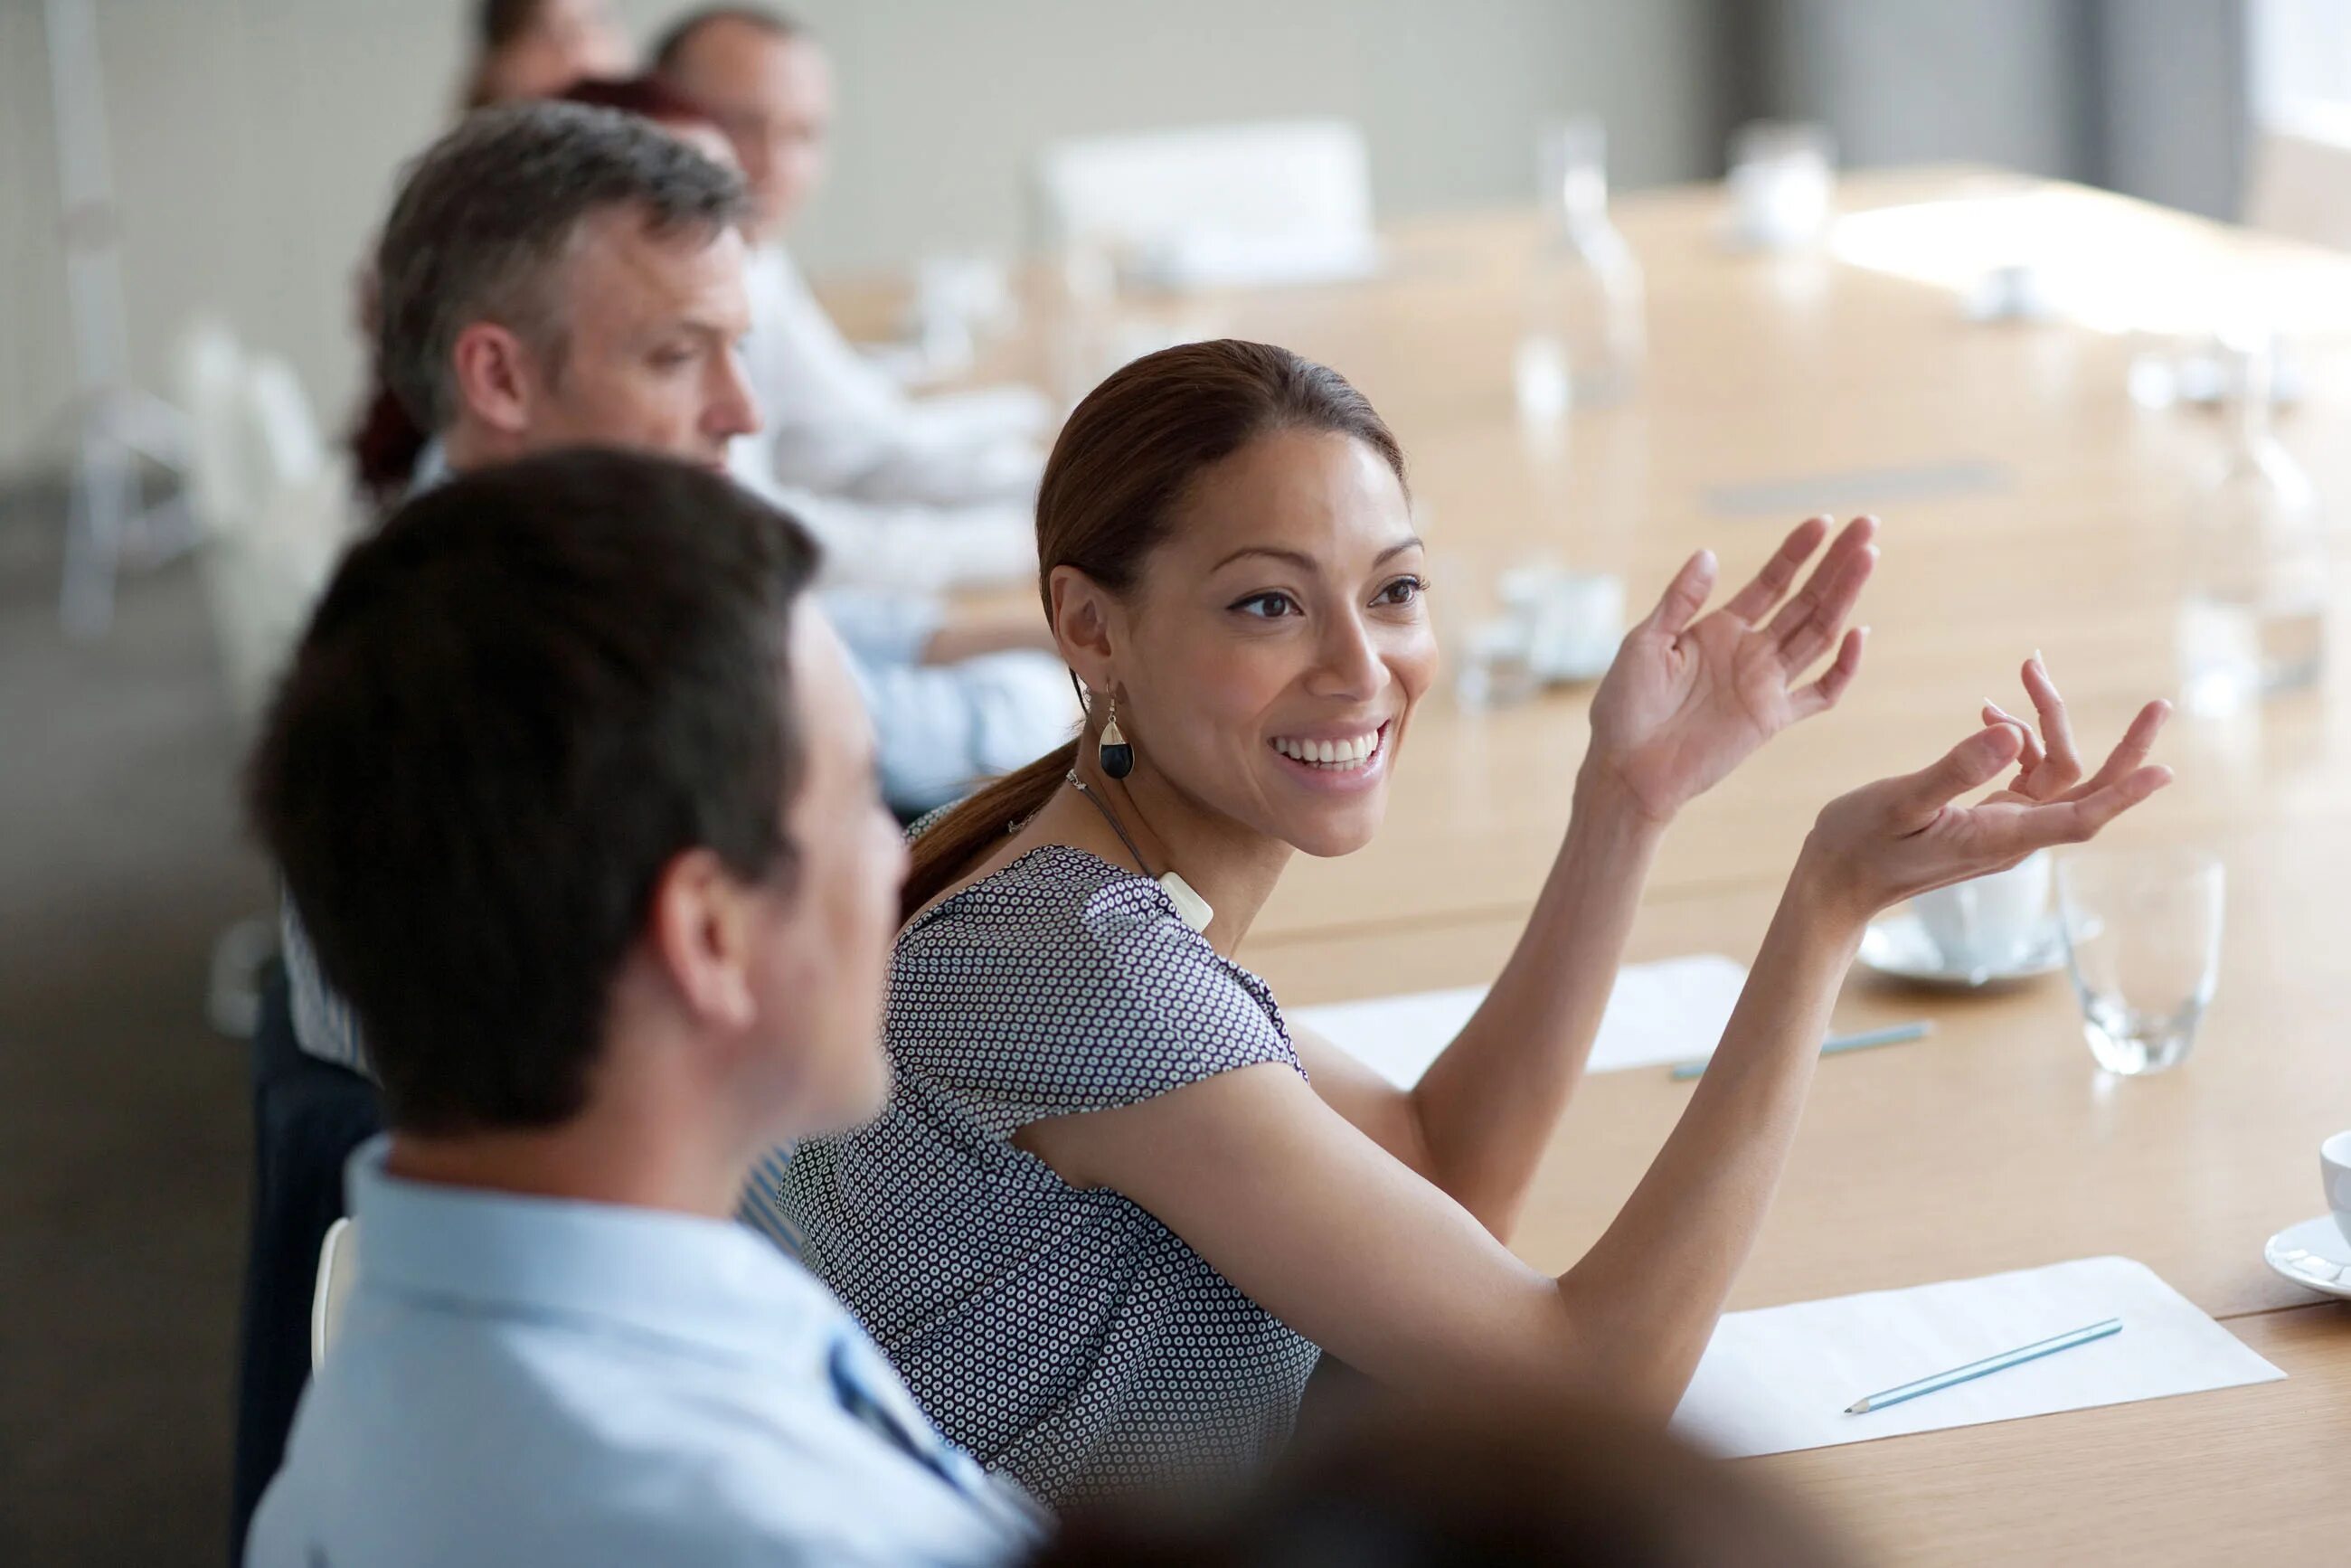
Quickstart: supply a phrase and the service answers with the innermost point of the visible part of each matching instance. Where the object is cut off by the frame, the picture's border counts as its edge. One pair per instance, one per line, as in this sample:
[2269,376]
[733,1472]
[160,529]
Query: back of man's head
[486,219]
[516,705]
[670,49]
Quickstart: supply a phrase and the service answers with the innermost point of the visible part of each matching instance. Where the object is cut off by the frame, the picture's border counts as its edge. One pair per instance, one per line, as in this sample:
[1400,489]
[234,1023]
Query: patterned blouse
[1065,1337]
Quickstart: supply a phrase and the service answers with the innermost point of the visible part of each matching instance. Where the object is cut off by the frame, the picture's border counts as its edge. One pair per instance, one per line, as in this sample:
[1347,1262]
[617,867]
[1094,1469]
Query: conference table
[2027,504]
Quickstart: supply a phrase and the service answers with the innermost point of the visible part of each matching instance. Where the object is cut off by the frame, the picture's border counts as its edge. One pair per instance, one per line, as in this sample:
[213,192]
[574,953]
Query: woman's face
[1271,651]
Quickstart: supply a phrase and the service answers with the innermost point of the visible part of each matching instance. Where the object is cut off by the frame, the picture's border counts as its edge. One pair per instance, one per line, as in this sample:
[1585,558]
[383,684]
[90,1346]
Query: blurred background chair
[273,509]
[1280,201]
[338,1266]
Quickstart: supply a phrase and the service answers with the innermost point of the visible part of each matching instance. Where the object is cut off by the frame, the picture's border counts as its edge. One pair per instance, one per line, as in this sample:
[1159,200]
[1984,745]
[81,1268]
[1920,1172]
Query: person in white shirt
[837,425]
[570,776]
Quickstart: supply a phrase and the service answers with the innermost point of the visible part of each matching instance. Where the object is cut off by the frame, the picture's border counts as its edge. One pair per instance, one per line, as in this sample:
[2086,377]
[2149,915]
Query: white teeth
[1349,753]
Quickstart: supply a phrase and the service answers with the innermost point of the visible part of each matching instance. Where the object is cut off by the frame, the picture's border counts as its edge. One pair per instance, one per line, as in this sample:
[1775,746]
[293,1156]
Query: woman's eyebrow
[1305,562]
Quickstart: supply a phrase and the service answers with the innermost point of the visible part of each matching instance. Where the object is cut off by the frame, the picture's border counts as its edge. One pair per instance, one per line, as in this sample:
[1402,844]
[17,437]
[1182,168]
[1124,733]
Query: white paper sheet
[1657,1013]
[1779,1378]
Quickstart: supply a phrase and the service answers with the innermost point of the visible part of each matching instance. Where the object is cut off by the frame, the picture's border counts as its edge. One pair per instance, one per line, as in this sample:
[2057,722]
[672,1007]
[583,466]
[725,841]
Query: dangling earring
[1117,755]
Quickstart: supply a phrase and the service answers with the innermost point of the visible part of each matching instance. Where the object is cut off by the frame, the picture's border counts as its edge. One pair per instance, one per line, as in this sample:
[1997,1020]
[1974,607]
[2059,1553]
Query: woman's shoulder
[1063,938]
[1046,901]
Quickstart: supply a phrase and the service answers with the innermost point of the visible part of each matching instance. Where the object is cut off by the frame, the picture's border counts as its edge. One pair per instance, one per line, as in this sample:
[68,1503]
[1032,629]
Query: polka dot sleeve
[1067,985]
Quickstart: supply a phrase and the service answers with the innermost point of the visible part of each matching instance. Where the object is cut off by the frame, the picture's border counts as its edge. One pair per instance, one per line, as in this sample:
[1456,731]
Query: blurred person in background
[903,547]
[557,275]
[387,441]
[1516,1484]
[536,49]
[571,776]
[520,50]
[837,425]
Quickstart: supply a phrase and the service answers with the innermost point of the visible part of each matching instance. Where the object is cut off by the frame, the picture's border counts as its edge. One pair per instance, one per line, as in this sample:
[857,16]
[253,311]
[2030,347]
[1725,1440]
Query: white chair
[274,506]
[273,510]
[338,1265]
[1285,202]
[2300,185]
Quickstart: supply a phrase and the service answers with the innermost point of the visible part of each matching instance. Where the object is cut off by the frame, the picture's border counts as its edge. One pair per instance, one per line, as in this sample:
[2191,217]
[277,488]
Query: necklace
[1190,907]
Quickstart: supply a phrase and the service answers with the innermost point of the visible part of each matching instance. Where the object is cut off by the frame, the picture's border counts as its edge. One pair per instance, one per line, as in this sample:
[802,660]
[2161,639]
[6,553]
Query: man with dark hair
[554,274]
[573,781]
[837,426]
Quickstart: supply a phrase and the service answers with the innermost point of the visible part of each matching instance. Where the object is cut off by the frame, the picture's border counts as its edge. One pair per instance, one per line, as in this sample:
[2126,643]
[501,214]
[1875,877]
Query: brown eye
[1403,590]
[1267,606]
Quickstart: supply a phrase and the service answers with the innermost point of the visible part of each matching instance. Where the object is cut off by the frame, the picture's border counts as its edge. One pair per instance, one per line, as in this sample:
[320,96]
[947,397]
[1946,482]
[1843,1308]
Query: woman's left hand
[1690,697]
[2049,767]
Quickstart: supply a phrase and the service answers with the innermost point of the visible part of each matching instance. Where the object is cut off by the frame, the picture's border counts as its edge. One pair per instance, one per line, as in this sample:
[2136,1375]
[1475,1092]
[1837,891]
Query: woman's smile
[1346,758]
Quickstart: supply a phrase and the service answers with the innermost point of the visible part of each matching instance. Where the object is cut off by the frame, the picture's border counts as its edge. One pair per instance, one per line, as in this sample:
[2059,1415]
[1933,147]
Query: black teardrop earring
[1117,755]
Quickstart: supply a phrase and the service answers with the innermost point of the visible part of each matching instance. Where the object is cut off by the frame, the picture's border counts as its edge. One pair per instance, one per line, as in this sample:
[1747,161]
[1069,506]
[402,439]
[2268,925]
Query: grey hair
[488,211]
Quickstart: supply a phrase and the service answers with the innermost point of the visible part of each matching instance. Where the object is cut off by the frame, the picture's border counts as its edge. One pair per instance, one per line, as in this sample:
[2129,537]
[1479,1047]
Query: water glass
[1782,183]
[2143,943]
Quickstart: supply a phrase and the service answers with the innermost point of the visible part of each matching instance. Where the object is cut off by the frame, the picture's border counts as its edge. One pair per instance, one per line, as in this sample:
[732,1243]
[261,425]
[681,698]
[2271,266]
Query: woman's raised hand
[1900,837]
[1691,696]
[2048,768]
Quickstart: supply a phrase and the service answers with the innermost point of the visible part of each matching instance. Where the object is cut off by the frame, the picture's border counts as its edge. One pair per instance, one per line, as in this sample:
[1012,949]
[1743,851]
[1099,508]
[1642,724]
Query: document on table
[1657,1013]
[1779,1378]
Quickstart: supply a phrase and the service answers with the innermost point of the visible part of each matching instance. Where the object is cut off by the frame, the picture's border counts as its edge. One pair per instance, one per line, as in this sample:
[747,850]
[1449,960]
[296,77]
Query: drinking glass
[2143,943]
[1782,183]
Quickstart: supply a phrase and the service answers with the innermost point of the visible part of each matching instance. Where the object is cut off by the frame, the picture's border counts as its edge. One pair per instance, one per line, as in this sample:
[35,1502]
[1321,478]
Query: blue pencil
[1892,1034]
[1985,1367]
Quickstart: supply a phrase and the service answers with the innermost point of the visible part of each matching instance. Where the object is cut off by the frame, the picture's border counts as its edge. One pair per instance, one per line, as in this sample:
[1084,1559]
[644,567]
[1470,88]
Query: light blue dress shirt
[522,1381]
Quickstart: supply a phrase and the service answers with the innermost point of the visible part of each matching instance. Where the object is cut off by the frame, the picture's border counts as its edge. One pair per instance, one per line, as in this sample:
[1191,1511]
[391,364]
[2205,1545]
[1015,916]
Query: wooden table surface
[2027,504]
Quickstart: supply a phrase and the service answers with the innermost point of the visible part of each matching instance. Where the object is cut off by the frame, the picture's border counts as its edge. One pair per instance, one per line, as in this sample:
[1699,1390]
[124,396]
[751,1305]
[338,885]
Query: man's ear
[1087,625]
[496,377]
[701,930]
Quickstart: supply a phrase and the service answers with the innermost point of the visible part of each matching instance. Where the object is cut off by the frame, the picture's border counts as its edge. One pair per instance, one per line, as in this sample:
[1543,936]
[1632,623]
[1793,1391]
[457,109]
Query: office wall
[2149,97]
[1910,81]
[254,141]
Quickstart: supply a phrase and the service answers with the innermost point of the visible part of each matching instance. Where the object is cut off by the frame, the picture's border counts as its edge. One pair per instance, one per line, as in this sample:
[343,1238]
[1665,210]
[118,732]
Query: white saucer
[2313,1253]
[1897,945]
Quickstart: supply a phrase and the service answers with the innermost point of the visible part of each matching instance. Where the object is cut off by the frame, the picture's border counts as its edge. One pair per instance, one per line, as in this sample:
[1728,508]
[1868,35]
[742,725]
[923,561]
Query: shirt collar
[432,467]
[696,1280]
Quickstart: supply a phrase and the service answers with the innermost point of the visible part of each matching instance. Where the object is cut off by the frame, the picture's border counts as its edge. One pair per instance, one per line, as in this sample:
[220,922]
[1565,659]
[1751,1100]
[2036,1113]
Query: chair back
[1281,202]
[338,1263]
[274,505]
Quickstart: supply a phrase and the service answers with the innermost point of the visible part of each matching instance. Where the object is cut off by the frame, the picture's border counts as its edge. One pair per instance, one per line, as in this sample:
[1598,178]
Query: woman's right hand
[1900,837]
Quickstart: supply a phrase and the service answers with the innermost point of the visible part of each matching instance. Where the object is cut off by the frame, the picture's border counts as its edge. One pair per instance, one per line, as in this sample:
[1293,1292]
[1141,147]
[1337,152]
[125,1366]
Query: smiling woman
[1117,1207]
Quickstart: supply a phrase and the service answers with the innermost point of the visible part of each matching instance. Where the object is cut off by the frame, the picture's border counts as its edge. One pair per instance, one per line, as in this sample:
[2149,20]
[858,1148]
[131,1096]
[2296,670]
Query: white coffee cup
[2335,1170]
[1991,922]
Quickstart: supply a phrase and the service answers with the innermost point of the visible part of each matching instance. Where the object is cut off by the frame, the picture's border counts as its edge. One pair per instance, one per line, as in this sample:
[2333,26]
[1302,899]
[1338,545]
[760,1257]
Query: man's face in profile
[773,97]
[649,359]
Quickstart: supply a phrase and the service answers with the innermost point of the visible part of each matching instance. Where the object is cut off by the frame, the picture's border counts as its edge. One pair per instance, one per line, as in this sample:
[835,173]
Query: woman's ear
[1086,625]
[700,929]
[493,376]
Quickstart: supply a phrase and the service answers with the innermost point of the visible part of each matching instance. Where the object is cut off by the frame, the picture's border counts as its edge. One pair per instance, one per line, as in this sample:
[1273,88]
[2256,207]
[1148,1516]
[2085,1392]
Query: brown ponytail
[1124,460]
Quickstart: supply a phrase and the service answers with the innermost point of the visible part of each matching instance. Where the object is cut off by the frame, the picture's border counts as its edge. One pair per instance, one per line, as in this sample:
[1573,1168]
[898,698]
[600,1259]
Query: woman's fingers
[1822,630]
[2131,751]
[1685,596]
[2079,816]
[1752,603]
[2030,758]
[1823,694]
[1813,617]
[2056,729]
[1975,761]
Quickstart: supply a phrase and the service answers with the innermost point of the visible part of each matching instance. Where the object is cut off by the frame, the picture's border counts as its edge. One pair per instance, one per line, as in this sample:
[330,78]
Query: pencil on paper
[1836,1044]
[1985,1367]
